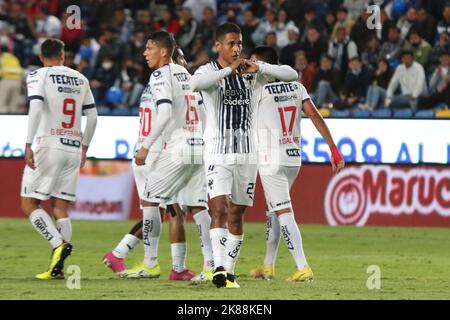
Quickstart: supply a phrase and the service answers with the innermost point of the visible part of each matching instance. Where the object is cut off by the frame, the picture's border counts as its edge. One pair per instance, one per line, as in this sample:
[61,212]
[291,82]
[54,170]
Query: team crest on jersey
[157,74]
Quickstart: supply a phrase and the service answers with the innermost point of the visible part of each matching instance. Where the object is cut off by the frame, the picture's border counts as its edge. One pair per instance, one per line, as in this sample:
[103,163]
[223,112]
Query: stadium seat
[424,114]
[340,113]
[361,113]
[103,111]
[120,112]
[403,114]
[382,113]
[444,113]
[324,112]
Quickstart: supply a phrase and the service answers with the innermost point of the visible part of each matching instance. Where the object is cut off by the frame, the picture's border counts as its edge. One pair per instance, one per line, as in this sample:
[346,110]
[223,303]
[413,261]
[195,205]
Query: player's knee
[28,205]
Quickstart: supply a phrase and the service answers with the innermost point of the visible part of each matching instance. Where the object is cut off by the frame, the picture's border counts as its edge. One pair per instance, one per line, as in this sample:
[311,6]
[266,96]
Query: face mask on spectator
[356,71]
[107,65]
[138,44]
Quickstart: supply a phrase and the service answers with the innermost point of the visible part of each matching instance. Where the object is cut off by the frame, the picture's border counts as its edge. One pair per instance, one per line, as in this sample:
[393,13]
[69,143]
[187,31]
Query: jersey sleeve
[88,101]
[35,85]
[161,88]
[303,93]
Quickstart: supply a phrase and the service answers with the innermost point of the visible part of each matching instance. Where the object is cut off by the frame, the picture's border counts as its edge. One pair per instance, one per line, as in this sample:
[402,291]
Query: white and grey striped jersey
[230,106]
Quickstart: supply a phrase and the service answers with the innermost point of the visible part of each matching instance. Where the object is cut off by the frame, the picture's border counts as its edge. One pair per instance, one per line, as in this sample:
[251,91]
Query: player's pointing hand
[140,156]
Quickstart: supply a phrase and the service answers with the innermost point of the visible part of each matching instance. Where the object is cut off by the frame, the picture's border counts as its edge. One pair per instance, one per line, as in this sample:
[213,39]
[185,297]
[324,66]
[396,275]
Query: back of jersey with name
[171,84]
[279,115]
[65,93]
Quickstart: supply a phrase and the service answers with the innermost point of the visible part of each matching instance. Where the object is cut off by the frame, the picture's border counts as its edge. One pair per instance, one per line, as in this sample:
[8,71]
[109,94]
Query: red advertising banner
[383,195]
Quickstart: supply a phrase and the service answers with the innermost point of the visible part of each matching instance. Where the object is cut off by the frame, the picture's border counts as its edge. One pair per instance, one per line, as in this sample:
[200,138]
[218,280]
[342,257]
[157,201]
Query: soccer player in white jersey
[174,100]
[230,154]
[279,114]
[193,197]
[58,97]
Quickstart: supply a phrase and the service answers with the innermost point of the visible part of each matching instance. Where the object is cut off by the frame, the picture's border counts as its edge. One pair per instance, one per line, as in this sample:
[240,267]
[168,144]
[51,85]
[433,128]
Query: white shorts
[56,175]
[277,185]
[237,180]
[167,176]
[141,172]
[194,194]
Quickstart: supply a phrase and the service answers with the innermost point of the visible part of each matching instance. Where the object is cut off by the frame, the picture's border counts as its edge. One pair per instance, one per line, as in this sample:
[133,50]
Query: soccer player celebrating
[193,197]
[58,97]
[230,156]
[279,113]
[175,102]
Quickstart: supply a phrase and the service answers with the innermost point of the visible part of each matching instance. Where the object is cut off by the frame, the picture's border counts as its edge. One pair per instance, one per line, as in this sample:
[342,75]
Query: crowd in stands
[344,57]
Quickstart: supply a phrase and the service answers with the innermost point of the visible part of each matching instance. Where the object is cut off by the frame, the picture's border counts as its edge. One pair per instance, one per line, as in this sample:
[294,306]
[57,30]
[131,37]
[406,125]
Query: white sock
[125,245]
[42,222]
[272,238]
[151,230]
[64,226]
[291,235]
[203,222]
[232,250]
[178,251]
[218,239]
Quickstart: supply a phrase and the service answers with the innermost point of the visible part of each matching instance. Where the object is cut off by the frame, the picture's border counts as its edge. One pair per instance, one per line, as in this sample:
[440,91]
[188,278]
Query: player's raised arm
[281,72]
[311,111]
[204,79]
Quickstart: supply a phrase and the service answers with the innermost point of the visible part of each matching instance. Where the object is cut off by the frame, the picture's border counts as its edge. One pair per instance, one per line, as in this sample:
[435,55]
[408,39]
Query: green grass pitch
[414,264]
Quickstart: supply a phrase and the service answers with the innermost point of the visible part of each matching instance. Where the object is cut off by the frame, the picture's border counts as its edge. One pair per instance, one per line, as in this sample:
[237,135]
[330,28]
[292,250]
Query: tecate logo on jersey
[356,193]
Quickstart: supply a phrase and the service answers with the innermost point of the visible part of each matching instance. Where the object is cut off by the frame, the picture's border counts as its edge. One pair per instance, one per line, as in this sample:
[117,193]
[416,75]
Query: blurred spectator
[391,49]
[69,60]
[207,28]
[109,46]
[439,84]
[442,46]
[189,27]
[85,69]
[360,34]
[287,55]
[325,84]
[342,49]
[357,81]
[419,47]
[123,24]
[406,22]
[104,77]
[330,20]
[71,36]
[305,70]
[46,25]
[386,25]
[268,24]
[355,7]
[271,41]
[129,81]
[425,25]
[343,19]
[376,93]
[144,22]
[283,27]
[370,54]
[314,46]
[200,59]
[198,6]
[169,22]
[443,26]
[88,50]
[310,20]
[410,76]
[250,26]
[10,81]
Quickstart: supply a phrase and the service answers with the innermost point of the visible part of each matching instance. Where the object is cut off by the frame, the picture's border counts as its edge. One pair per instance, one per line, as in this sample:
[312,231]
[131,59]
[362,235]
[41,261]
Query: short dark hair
[163,39]
[225,28]
[176,53]
[266,54]
[407,52]
[52,48]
